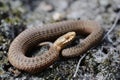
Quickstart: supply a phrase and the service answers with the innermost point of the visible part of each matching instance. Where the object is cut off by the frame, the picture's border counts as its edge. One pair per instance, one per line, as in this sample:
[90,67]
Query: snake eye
[68,37]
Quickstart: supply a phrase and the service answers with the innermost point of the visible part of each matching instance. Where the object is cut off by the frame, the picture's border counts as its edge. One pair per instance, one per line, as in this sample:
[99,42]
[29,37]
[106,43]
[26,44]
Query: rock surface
[101,63]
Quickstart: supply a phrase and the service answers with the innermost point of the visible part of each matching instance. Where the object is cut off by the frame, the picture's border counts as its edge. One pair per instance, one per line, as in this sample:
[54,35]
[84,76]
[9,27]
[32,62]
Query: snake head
[64,40]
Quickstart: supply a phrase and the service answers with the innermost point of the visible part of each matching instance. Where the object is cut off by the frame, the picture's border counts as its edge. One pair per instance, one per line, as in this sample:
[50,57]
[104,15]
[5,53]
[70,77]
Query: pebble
[73,15]
[60,5]
[23,78]
[79,9]
[46,7]
[15,72]
[118,47]
[57,16]
[104,2]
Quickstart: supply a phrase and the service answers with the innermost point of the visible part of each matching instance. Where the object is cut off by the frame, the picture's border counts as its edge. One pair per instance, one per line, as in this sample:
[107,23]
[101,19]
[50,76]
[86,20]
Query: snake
[66,30]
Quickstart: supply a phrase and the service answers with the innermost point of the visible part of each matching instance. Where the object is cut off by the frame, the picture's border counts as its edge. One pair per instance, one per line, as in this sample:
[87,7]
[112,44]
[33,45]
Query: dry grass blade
[78,65]
[113,26]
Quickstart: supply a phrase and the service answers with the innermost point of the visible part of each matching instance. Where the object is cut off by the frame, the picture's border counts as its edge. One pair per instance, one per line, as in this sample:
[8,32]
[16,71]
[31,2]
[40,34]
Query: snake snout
[69,37]
[64,40]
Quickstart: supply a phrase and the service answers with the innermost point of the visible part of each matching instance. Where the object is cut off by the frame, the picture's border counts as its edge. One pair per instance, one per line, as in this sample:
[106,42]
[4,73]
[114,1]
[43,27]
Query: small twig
[78,65]
[113,26]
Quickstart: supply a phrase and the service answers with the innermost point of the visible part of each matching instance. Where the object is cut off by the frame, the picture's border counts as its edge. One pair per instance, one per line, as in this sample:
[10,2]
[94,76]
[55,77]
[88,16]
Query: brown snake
[33,36]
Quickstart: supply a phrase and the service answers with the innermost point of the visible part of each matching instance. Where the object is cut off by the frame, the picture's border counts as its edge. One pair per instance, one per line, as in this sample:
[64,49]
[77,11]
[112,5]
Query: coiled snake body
[33,36]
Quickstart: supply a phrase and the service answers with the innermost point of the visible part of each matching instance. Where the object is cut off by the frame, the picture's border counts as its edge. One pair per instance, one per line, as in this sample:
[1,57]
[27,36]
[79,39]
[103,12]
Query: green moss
[12,20]
[3,6]
[118,32]
[11,24]
[1,71]
[1,39]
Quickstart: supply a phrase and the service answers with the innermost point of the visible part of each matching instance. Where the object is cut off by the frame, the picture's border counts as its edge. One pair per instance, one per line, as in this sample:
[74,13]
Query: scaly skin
[33,36]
